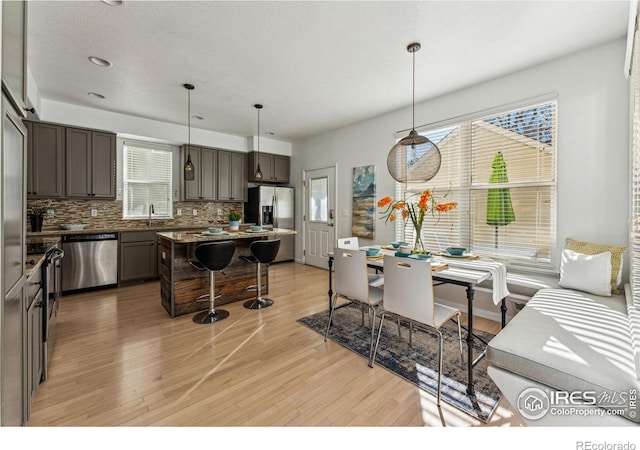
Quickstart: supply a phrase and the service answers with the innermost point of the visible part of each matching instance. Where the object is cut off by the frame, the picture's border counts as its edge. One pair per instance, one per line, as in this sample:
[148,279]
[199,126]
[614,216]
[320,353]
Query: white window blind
[147,180]
[635,175]
[524,139]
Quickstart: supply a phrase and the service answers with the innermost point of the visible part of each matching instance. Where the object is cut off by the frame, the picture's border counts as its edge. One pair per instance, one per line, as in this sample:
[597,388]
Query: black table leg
[330,280]
[503,308]
[470,291]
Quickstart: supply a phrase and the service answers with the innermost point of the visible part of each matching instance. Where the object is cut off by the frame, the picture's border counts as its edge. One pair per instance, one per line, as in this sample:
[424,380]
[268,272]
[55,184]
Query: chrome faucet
[151,211]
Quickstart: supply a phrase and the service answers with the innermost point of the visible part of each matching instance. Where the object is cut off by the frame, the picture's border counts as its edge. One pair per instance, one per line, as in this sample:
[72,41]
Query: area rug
[417,364]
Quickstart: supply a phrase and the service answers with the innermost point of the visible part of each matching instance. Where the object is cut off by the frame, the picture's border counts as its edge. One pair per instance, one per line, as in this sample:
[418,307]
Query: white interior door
[319,217]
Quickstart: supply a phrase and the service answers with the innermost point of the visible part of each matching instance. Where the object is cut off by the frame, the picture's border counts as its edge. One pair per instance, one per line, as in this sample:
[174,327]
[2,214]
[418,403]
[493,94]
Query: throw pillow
[590,248]
[588,273]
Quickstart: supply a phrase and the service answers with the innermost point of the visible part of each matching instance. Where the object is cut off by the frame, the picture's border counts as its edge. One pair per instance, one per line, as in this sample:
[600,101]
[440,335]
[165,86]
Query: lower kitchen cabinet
[138,256]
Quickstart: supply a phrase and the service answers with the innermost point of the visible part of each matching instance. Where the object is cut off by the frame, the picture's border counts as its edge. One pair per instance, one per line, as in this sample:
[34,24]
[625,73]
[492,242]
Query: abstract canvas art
[364,202]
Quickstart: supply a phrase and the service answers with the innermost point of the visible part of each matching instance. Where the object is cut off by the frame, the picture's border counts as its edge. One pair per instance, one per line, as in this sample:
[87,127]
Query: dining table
[466,271]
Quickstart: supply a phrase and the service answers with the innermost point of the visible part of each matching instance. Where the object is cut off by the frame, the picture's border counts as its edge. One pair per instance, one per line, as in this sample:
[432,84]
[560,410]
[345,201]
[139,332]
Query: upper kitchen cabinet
[14,53]
[275,168]
[205,162]
[232,182]
[90,163]
[45,160]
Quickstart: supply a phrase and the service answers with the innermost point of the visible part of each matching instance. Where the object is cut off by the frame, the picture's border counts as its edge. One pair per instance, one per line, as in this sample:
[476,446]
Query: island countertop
[184,237]
[182,284]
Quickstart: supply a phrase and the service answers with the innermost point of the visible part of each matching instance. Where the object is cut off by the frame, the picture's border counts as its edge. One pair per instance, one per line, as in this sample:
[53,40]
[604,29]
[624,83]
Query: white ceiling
[314,65]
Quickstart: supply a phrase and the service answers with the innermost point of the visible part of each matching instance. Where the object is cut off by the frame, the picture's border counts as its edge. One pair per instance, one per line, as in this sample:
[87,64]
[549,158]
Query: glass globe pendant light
[258,175]
[189,170]
[415,157]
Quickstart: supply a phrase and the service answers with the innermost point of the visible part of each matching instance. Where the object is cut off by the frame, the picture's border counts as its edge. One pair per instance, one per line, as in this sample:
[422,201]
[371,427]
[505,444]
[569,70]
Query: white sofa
[580,351]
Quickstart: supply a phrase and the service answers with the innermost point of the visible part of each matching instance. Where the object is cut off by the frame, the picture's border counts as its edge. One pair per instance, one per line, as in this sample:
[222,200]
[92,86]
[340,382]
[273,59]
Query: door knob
[330,224]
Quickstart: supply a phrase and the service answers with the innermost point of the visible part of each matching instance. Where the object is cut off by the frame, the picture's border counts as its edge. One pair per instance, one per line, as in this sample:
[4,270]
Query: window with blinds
[147,180]
[501,170]
[635,172]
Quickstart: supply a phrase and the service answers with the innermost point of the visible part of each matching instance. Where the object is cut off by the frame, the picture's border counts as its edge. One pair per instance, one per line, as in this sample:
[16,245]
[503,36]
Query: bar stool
[214,256]
[262,252]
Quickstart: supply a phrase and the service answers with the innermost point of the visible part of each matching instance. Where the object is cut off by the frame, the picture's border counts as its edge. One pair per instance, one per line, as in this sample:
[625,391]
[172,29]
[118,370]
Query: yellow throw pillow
[590,248]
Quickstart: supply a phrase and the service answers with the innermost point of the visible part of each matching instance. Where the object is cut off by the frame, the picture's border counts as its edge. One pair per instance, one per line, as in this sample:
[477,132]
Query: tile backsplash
[109,214]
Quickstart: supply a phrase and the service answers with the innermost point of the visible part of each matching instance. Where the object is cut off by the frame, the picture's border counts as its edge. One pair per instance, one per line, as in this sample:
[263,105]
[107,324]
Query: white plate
[251,231]
[206,233]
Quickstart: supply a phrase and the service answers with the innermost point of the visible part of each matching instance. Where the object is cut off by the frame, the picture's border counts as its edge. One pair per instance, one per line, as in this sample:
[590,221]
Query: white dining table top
[460,274]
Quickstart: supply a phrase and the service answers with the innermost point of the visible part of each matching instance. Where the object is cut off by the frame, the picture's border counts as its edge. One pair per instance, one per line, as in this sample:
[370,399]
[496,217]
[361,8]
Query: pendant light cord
[189,121]
[413,93]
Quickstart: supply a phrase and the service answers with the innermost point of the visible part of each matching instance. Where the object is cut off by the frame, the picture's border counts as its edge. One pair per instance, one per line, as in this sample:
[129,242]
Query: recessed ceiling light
[197,117]
[113,2]
[96,95]
[100,62]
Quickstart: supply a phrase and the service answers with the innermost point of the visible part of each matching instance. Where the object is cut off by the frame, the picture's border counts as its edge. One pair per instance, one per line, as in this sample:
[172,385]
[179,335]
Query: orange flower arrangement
[414,211]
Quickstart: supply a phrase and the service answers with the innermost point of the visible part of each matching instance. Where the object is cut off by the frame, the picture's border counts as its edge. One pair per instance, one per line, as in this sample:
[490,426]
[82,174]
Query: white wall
[151,130]
[592,144]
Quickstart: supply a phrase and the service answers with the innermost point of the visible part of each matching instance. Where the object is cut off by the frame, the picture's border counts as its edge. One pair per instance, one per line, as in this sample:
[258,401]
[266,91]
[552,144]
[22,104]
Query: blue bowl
[371,251]
[396,244]
[456,251]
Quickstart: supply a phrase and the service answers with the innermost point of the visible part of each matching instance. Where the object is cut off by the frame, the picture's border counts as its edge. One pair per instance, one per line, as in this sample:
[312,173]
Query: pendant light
[414,157]
[258,175]
[189,170]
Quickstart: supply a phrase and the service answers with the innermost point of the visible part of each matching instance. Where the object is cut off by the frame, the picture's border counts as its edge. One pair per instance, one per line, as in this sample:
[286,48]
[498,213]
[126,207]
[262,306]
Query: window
[635,173]
[503,212]
[147,181]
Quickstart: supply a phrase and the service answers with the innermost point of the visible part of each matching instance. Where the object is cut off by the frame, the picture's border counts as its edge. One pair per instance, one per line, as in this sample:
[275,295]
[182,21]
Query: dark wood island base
[181,283]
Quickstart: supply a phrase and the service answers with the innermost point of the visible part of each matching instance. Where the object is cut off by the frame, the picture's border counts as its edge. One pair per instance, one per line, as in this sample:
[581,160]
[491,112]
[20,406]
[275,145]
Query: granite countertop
[196,236]
[115,229]
[33,264]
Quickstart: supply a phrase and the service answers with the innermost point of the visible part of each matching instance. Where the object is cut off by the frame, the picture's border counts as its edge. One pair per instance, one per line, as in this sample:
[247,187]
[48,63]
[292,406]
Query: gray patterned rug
[417,364]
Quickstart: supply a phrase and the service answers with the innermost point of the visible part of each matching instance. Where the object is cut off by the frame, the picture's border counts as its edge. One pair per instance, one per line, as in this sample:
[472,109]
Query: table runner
[497,270]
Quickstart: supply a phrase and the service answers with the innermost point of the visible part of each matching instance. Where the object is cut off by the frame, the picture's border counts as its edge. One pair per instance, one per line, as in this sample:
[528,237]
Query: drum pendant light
[415,157]
[189,170]
[258,175]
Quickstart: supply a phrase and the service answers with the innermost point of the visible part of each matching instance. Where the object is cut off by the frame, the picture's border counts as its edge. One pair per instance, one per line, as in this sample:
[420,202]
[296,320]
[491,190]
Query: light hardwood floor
[120,360]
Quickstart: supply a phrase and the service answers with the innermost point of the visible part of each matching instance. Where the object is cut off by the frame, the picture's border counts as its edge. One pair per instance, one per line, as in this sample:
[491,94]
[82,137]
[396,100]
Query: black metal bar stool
[262,252]
[214,256]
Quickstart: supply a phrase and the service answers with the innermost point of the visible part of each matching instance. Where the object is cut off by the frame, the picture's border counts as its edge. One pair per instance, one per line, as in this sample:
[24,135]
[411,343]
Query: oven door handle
[57,254]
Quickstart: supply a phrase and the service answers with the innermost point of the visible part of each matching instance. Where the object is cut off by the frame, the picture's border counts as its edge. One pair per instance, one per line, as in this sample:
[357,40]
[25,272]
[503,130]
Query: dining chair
[375,279]
[408,293]
[351,283]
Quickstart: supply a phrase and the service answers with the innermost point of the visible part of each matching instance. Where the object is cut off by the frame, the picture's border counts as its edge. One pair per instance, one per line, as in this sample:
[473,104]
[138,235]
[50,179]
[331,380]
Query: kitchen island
[181,283]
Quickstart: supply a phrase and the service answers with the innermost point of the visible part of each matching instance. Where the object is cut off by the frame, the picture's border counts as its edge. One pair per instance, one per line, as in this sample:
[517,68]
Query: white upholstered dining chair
[408,293]
[375,279]
[351,283]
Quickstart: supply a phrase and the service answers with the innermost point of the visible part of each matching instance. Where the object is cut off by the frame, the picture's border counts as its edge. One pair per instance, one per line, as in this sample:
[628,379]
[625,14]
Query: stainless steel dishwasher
[90,261]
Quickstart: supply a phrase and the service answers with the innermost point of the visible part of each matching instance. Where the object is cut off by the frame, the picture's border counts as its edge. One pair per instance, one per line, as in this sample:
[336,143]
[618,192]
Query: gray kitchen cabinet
[45,160]
[90,163]
[232,182]
[34,304]
[281,168]
[274,168]
[14,53]
[138,256]
[205,163]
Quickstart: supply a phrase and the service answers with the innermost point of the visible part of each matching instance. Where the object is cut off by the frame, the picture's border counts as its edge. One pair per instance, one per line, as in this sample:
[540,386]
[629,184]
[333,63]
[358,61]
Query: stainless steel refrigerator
[272,207]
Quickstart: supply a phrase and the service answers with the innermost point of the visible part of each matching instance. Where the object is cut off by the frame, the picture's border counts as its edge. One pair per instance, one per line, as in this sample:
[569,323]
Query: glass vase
[418,245]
